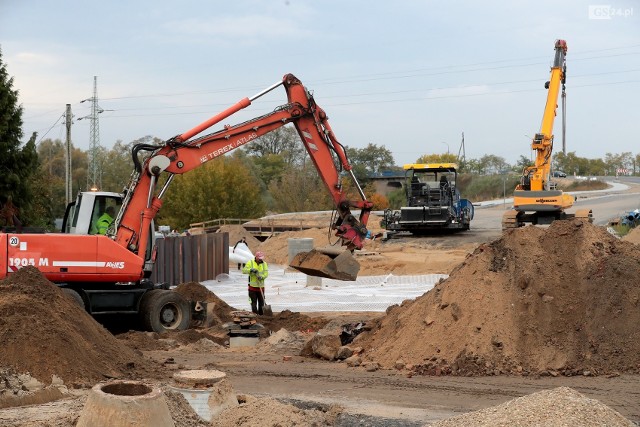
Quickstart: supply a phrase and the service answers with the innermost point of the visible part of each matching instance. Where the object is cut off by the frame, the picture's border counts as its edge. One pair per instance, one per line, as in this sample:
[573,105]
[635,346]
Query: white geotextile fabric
[286,290]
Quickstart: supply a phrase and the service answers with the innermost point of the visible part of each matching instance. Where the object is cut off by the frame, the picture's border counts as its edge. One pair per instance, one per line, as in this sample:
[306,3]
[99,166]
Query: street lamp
[447,146]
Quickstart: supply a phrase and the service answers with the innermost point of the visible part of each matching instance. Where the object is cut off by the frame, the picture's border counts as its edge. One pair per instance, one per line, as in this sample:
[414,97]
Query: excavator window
[103,204]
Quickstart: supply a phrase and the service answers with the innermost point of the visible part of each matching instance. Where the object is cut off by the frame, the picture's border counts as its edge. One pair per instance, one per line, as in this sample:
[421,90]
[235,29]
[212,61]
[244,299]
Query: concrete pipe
[125,403]
[207,390]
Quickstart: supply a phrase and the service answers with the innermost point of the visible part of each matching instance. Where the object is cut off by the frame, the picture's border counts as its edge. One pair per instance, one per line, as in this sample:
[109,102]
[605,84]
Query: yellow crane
[537,199]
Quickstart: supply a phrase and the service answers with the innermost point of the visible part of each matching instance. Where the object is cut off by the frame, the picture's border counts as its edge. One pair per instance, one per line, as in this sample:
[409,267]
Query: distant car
[559,174]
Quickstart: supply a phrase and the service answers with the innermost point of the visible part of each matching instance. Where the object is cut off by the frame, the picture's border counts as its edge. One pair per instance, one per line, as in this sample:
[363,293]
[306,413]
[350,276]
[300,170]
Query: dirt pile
[633,236]
[559,407]
[276,247]
[237,232]
[549,301]
[270,412]
[292,321]
[44,332]
[194,291]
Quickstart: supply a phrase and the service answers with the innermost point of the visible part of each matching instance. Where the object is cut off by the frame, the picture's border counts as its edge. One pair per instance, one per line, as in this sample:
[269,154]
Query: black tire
[75,296]
[163,311]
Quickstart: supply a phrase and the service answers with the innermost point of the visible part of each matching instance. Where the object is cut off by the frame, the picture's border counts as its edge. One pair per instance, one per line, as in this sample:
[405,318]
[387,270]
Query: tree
[437,158]
[117,163]
[523,162]
[283,141]
[51,175]
[369,160]
[17,162]
[219,189]
[300,189]
[273,152]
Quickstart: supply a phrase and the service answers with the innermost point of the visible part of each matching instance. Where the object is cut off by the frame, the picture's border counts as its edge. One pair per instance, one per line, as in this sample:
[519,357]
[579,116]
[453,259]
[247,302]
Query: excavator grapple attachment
[338,265]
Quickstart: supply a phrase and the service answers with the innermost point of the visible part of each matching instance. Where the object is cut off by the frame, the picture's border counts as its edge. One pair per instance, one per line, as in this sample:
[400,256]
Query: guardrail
[264,228]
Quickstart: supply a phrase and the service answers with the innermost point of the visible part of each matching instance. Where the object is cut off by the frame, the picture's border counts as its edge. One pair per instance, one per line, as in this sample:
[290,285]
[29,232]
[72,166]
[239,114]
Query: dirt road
[388,398]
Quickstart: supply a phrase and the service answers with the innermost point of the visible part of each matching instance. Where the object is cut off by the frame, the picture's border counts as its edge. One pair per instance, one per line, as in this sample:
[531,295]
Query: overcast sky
[411,75]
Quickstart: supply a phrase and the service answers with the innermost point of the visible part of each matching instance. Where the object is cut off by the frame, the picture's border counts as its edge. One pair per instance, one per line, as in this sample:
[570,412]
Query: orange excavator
[537,199]
[109,273]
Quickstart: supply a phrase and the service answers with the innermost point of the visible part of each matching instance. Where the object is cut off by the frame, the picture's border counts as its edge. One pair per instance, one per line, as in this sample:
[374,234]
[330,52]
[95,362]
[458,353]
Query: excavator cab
[81,216]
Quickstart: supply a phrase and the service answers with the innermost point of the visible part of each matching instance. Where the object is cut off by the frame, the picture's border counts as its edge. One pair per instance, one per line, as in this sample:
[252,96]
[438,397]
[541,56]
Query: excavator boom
[185,152]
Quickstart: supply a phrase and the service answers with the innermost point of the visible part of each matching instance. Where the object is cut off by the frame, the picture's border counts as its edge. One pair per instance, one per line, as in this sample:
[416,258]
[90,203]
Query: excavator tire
[75,296]
[321,264]
[163,311]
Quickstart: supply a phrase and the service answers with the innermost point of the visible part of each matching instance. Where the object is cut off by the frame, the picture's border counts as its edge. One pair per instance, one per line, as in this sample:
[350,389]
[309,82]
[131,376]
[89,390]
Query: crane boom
[536,199]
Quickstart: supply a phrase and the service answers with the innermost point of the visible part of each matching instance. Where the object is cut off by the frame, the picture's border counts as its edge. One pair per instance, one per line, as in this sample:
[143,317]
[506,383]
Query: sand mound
[292,321]
[237,232]
[44,332]
[276,247]
[550,408]
[633,236]
[194,291]
[556,300]
[270,412]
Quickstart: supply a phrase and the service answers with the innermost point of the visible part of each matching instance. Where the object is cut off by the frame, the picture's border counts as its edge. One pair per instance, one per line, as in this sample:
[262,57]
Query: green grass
[621,230]
[586,186]
[479,188]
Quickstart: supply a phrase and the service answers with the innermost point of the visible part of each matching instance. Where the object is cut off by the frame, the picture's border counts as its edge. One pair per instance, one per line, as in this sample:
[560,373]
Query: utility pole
[94,175]
[68,180]
[461,152]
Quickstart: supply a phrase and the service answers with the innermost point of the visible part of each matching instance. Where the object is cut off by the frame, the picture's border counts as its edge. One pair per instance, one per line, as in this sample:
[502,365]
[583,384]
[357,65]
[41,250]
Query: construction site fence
[197,258]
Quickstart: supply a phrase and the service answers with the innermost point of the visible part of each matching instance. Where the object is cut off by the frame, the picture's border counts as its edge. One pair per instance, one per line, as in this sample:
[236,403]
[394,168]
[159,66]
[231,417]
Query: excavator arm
[183,153]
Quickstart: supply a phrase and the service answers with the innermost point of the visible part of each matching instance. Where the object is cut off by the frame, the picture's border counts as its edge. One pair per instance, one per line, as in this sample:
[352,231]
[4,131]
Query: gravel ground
[559,407]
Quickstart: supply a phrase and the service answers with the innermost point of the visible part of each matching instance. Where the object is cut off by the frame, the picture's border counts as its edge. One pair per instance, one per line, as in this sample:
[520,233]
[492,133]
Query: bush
[379,201]
[486,187]
[584,185]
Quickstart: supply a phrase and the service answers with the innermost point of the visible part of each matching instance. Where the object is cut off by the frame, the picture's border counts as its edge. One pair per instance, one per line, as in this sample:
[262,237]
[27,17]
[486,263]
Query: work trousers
[257,302]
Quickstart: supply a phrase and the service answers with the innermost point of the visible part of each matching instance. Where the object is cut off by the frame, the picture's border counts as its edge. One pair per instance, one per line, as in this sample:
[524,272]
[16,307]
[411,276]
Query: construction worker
[105,220]
[258,271]
[243,245]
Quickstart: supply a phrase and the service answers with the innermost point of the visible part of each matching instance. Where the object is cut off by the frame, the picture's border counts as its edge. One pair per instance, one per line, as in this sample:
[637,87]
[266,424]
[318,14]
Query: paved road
[606,205]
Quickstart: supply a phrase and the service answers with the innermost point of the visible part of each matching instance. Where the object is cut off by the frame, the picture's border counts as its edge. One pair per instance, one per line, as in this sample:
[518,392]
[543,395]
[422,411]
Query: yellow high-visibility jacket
[256,280]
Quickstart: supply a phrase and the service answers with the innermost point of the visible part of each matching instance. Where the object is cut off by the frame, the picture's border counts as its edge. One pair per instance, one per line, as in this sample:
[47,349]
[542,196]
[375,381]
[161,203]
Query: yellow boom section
[538,174]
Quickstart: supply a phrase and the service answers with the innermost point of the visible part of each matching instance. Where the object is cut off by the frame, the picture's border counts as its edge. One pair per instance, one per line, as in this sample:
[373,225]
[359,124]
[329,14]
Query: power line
[52,126]
[419,72]
[397,100]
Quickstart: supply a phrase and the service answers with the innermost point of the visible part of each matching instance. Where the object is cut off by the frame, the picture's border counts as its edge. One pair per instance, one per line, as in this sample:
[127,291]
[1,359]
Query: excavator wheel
[75,296]
[585,214]
[510,219]
[163,311]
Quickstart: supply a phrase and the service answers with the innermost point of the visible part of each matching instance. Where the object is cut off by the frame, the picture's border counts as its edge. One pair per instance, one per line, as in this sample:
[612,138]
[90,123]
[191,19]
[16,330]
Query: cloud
[234,29]
[33,59]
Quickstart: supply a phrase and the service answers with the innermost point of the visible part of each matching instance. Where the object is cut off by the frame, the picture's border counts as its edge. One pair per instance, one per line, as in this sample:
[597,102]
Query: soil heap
[237,232]
[556,300]
[558,407]
[194,291]
[45,332]
[633,236]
